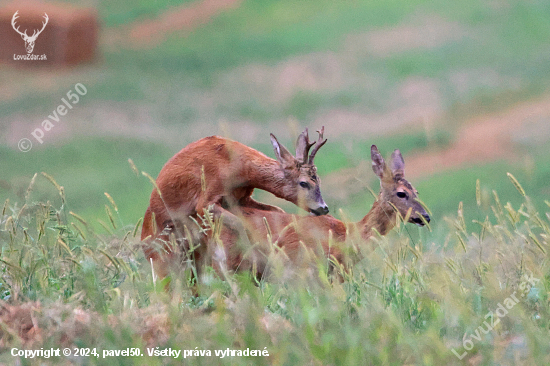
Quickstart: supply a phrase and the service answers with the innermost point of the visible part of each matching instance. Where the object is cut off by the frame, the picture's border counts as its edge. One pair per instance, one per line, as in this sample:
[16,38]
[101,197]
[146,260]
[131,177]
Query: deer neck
[266,173]
[381,218]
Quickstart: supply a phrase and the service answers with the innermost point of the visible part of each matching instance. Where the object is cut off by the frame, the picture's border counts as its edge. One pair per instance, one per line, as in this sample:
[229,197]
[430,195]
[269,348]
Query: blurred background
[460,87]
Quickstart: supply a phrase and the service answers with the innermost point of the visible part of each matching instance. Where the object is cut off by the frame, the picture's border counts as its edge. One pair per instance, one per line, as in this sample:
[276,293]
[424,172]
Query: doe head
[300,174]
[395,189]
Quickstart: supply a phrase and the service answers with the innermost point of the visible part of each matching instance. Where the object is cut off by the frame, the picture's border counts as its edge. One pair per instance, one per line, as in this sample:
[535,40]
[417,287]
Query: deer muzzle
[418,221]
[322,210]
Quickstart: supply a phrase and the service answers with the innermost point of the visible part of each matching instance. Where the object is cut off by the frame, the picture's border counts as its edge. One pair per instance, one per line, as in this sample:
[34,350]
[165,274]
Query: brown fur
[293,233]
[215,170]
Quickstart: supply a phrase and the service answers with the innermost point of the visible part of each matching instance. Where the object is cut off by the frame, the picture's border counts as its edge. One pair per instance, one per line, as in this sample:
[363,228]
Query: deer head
[29,41]
[300,169]
[395,189]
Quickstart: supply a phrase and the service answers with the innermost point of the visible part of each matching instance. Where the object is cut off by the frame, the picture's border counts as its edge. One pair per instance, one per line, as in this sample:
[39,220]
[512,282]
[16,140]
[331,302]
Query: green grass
[508,43]
[273,30]
[87,169]
[122,12]
[413,296]
[444,191]
[402,302]
[262,31]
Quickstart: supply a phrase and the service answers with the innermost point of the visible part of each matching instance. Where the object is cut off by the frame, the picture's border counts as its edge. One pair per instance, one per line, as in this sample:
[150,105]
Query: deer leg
[154,245]
[225,255]
[217,203]
[147,226]
[232,222]
[252,203]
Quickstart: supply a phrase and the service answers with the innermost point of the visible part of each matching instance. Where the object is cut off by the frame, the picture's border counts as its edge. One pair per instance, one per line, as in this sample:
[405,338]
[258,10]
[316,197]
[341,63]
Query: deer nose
[419,221]
[322,210]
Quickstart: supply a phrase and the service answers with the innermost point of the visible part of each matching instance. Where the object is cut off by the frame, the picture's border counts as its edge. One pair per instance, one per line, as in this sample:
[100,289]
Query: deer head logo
[29,41]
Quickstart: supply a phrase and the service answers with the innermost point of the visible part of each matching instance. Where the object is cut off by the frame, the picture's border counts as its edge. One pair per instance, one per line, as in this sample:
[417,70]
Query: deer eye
[401,195]
[304,185]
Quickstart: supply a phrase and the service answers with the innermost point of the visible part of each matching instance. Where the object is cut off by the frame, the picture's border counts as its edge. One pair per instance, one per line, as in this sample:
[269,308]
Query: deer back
[216,170]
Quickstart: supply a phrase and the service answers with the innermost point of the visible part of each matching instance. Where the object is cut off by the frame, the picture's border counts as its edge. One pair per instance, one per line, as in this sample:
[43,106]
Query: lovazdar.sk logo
[29,40]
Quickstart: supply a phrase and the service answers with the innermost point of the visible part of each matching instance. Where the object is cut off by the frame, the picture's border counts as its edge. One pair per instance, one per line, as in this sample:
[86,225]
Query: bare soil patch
[482,139]
[485,138]
[185,18]
[416,104]
[420,32]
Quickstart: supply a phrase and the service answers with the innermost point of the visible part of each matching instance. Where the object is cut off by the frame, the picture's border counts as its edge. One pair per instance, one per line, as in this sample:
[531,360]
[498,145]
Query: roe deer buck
[216,170]
[291,233]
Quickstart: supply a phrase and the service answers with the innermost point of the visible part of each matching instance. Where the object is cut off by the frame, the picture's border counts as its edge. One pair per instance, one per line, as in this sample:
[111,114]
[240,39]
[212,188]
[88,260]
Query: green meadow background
[408,75]
[502,42]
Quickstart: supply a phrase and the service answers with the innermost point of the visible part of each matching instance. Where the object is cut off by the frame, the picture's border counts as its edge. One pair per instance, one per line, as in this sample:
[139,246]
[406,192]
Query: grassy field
[406,300]
[107,170]
[74,275]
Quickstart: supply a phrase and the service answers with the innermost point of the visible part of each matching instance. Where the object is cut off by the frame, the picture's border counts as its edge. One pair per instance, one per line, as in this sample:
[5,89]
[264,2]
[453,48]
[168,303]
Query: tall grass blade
[136,228]
[516,184]
[6,203]
[133,167]
[111,200]
[478,193]
[80,232]
[537,242]
[52,181]
[106,227]
[79,218]
[65,246]
[424,205]
[110,215]
[31,185]
[153,182]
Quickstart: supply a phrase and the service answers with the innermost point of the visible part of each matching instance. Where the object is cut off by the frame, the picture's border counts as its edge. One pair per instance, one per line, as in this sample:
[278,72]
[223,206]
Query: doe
[292,233]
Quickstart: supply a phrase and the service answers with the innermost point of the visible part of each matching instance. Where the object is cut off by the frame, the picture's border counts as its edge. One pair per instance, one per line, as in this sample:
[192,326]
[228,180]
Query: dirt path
[147,33]
[482,139]
[486,138]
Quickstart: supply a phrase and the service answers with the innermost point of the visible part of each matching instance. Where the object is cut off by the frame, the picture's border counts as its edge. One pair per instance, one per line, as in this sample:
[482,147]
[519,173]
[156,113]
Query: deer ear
[378,163]
[282,154]
[397,164]
[303,146]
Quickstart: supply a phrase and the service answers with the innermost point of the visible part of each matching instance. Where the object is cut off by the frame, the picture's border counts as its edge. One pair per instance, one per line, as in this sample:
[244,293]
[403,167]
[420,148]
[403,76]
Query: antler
[302,146]
[34,35]
[320,142]
[13,24]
